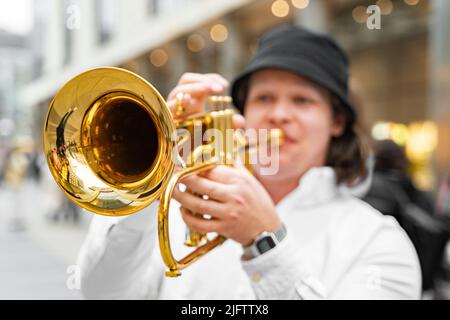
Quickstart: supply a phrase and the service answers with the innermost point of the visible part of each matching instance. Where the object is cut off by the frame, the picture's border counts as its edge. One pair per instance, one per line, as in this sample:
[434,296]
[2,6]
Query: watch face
[265,244]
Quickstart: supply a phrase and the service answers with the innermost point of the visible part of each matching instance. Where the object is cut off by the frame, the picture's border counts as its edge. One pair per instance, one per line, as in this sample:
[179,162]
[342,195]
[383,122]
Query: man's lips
[284,138]
[288,139]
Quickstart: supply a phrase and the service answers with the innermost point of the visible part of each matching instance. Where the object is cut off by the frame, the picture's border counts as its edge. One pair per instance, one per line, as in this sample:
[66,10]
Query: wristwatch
[264,242]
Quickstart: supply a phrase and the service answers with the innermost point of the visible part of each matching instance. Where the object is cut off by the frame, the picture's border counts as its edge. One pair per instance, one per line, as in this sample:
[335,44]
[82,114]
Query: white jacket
[337,247]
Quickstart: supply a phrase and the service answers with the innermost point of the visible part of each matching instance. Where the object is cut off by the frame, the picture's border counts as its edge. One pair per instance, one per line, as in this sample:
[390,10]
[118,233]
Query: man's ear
[338,126]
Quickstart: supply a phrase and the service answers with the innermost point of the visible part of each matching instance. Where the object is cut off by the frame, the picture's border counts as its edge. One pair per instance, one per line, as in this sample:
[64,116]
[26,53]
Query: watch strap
[265,242]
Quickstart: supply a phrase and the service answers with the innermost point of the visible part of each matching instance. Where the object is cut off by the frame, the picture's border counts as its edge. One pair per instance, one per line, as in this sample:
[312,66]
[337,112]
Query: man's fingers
[199,224]
[190,106]
[193,97]
[214,190]
[201,89]
[222,174]
[199,205]
[190,77]
[195,88]
[238,121]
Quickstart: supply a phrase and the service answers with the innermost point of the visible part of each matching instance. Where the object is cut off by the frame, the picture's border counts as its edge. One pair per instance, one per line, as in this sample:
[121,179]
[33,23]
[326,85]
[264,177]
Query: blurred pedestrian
[442,281]
[443,200]
[16,168]
[393,193]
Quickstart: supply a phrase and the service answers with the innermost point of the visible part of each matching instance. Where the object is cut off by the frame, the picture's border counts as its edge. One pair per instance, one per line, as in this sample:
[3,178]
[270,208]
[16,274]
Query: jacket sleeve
[117,257]
[281,274]
[386,268]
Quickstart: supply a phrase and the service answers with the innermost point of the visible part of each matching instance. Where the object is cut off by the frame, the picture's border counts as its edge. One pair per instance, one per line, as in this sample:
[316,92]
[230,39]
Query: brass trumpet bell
[107,141]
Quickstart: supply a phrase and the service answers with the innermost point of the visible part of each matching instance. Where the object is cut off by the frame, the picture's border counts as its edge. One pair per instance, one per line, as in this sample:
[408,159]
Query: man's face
[281,99]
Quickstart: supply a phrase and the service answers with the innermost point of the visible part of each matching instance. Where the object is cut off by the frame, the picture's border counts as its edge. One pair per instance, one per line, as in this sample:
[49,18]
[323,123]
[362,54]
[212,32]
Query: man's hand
[239,206]
[195,89]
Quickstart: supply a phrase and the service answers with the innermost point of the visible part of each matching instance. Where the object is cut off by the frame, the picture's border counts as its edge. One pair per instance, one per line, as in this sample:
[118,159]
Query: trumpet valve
[217,103]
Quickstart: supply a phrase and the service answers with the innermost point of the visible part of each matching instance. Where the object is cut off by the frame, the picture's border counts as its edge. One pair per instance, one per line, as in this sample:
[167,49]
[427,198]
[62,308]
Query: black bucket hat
[314,56]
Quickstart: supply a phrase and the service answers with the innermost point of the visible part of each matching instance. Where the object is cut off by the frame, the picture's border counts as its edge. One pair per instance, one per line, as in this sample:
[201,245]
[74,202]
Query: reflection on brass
[109,143]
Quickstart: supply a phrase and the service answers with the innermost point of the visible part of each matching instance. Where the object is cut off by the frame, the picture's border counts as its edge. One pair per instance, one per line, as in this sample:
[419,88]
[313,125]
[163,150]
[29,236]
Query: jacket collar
[316,186]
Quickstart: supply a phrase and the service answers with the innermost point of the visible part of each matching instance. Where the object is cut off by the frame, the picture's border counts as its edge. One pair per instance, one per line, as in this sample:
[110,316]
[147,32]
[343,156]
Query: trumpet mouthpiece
[276,136]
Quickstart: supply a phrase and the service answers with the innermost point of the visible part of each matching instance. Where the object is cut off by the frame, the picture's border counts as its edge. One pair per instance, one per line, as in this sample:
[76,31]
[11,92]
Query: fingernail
[216,87]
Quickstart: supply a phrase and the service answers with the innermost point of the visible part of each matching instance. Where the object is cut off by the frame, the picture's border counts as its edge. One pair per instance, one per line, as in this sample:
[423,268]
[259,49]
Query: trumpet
[112,146]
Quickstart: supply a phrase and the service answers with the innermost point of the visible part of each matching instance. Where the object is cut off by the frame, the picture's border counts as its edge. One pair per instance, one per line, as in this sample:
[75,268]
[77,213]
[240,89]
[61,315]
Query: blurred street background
[400,83]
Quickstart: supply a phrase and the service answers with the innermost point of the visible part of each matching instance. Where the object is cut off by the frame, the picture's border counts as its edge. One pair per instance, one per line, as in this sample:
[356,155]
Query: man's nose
[280,113]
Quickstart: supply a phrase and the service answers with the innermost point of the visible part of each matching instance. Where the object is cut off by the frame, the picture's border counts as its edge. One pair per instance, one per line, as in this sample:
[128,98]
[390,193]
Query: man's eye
[302,100]
[263,98]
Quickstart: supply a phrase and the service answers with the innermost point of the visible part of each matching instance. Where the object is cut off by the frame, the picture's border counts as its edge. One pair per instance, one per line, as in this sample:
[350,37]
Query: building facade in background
[400,71]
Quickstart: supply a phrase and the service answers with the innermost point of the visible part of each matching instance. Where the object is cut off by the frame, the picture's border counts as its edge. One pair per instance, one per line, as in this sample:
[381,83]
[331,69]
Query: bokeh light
[195,43]
[159,57]
[300,4]
[386,6]
[219,33]
[359,14]
[411,2]
[280,8]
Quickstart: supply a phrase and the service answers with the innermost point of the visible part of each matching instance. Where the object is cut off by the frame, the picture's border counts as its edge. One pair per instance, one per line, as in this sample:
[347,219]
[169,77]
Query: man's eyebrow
[261,87]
